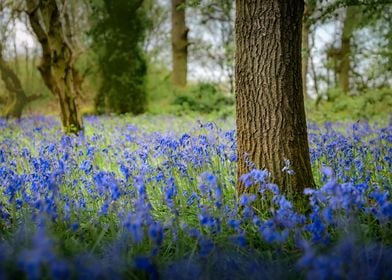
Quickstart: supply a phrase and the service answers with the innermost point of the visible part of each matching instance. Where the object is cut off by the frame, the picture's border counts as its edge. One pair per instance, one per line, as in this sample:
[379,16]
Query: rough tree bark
[179,38]
[271,123]
[48,19]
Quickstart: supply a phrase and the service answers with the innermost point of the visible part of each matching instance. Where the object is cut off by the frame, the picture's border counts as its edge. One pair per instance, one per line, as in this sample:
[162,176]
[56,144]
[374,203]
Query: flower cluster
[127,199]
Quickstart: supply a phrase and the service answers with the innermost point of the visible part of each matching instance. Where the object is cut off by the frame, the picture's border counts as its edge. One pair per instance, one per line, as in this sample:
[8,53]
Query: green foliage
[374,104]
[204,98]
[118,35]
[200,98]
[160,89]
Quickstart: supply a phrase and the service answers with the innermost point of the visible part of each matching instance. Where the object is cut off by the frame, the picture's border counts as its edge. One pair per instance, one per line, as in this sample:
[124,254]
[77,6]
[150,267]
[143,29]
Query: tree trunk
[349,25]
[18,98]
[314,73]
[310,7]
[305,57]
[57,68]
[271,123]
[179,37]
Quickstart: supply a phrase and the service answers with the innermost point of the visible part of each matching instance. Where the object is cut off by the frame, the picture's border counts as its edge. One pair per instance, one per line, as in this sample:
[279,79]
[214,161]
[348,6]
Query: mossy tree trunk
[48,19]
[271,123]
[121,58]
[179,38]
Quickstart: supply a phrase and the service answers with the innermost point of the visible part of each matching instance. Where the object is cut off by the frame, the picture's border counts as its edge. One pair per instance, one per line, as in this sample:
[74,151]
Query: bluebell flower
[327,171]
[247,180]
[192,199]
[194,232]
[2,156]
[60,270]
[145,264]
[185,139]
[104,209]
[136,229]
[239,240]
[140,186]
[247,199]
[317,228]
[205,218]
[155,233]
[273,188]
[235,224]
[74,227]
[31,260]
[206,246]
[171,189]
[233,158]
[4,213]
[328,215]
[209,178]
[125,171]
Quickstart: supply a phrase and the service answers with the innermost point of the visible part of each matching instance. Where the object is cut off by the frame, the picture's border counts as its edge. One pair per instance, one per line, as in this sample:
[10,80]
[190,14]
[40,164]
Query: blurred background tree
[118,34]
[15,98]
[179,38]
[51,24]
[125,58]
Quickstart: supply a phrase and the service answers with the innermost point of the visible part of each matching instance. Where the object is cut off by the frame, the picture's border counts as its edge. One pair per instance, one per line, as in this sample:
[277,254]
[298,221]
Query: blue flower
[145,264]
[239,240]
[155,232]
[206,246]
[247,199]
[235,224]
[86,166]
